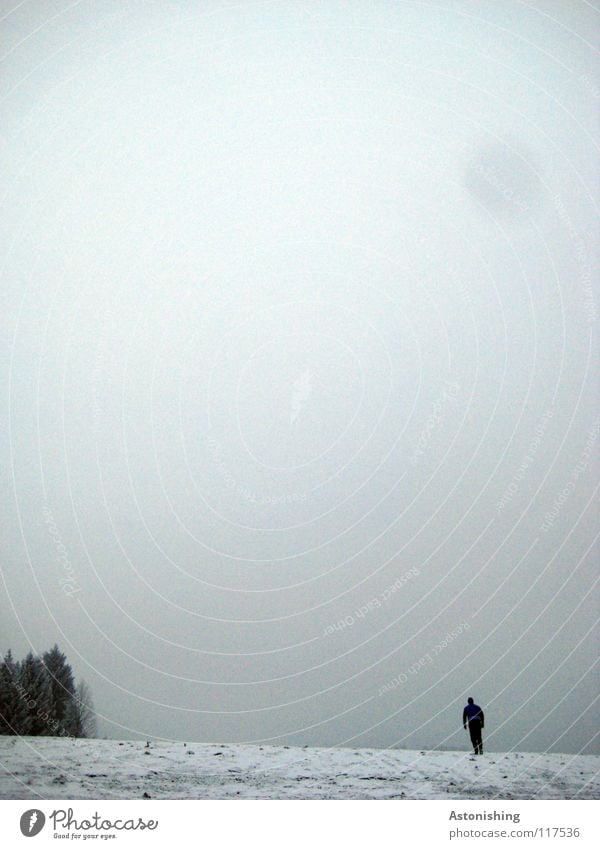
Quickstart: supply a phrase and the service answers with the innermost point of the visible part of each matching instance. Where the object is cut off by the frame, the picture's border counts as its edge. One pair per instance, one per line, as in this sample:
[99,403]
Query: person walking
[473,715]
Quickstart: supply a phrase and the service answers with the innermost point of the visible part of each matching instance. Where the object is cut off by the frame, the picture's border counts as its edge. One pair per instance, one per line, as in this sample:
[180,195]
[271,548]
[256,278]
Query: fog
[299,366]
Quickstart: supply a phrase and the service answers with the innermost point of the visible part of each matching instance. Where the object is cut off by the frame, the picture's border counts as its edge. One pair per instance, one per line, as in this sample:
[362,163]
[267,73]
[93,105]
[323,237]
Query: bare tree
[82,722]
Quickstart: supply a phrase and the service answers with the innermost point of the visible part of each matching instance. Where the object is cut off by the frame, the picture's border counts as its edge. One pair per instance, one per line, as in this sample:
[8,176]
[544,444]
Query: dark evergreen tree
[36,694]
[6,696]
[12,708]
[62,689]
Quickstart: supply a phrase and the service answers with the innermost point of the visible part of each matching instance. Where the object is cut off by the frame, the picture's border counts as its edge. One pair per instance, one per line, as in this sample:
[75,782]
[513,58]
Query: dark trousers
[475,732]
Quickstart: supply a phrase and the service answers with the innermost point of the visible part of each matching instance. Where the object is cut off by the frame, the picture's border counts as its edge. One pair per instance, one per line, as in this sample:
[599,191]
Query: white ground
[55,768]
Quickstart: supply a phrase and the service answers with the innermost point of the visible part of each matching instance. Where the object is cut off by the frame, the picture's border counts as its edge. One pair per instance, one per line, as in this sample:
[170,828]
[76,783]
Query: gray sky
[299,366]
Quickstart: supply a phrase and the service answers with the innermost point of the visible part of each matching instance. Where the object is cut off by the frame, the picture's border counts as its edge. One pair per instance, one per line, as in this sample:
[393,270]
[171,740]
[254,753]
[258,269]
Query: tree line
[38,696]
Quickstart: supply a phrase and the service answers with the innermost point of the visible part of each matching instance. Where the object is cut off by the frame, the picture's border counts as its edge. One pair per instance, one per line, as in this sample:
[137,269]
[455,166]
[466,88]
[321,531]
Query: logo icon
[32,822]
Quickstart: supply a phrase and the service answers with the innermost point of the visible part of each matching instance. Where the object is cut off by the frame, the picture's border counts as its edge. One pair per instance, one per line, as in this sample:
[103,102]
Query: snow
[66,768]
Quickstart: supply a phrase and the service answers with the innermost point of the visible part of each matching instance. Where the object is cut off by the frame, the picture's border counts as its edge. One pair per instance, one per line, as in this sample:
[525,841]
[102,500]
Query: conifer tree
[62,688]
[36,694]
[12,708]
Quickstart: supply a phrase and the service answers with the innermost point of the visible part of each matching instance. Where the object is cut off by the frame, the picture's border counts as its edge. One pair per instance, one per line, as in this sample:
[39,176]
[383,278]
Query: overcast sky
[299,365]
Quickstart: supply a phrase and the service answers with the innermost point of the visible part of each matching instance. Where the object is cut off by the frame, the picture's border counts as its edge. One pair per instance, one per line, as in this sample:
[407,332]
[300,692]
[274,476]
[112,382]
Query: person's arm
[482,718]
[465,719]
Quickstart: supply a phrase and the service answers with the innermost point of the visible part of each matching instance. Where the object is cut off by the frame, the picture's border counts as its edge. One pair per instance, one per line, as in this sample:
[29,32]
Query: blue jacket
[472,712]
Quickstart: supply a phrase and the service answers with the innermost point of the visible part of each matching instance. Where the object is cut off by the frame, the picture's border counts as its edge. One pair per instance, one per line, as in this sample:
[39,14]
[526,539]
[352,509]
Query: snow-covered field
[55,768]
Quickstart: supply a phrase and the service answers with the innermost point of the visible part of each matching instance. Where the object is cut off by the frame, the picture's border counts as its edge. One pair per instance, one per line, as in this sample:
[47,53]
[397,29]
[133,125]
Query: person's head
[470,700]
